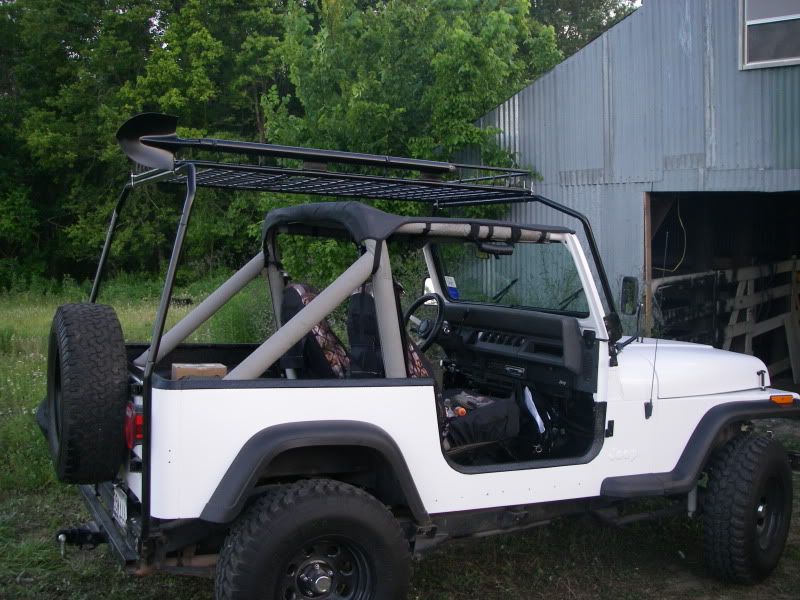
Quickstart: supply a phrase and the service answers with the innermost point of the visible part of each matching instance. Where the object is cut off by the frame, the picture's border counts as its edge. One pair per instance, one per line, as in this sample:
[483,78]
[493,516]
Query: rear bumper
[99,500]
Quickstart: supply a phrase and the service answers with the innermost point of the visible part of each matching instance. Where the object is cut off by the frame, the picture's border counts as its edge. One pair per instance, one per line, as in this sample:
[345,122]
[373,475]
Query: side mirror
[636,335]
[613,327]
[629,298]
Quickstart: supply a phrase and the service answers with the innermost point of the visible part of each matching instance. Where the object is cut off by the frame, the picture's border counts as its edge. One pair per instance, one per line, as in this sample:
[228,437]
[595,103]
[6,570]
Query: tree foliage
[405,77]
[578,22]
[409,78]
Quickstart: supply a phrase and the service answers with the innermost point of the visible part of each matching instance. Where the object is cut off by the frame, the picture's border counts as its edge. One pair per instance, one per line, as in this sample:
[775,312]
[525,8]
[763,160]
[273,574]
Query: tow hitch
[87,535]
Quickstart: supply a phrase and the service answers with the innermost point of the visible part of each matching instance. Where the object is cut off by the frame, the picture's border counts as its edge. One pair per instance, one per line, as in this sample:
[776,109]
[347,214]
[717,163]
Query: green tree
[64,62]
[398,77]
[210,64]
[404,77]
[79,69]
[578,22]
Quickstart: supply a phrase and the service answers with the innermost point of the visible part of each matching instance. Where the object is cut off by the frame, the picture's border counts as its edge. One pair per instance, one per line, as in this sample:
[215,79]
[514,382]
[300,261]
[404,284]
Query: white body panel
[198,433]
[684,369]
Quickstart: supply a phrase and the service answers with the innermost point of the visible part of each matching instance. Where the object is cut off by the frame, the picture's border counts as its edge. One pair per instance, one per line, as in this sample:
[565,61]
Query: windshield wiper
[570,299]
[499,295]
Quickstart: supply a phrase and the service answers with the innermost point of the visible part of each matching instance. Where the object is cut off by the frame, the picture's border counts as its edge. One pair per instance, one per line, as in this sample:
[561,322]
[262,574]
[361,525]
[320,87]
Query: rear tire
[748,508]
[87,392]
[314,539]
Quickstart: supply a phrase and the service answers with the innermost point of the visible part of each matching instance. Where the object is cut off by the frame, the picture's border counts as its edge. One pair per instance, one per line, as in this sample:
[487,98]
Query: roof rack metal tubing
[500,200]
[151,176]
[173,143]
[401,182]
[492,177]
[355,189]
[489,168]
[137,179]
[587,228]
[158,331]
[112,228]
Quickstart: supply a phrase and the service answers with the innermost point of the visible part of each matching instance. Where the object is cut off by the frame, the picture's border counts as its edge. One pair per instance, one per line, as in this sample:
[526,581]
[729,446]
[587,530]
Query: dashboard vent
[501,339]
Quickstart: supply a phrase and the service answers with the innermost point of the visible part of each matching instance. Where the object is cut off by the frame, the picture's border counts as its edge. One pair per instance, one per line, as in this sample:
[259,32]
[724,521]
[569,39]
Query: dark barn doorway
[723,268]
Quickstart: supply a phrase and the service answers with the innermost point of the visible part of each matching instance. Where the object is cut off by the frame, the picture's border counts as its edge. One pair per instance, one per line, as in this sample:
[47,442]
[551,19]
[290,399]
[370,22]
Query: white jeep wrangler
[311,468]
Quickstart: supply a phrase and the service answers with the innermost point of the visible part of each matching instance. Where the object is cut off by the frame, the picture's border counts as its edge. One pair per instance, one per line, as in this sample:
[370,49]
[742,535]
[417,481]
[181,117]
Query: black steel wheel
[314,539]
[747,509]
[328,567]
[87,392]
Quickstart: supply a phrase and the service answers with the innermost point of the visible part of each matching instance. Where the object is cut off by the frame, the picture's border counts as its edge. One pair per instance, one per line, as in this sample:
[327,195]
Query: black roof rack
[150,140]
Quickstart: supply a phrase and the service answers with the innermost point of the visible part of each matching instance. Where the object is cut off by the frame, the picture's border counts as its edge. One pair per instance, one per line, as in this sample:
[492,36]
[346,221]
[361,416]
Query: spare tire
[87,393]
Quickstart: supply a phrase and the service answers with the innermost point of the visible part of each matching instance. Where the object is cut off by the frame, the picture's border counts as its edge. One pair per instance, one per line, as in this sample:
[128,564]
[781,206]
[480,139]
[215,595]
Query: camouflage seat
[320,354]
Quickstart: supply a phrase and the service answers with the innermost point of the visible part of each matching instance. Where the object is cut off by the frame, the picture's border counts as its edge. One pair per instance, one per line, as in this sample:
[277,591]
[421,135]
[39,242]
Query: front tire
[748,508]
[318,539]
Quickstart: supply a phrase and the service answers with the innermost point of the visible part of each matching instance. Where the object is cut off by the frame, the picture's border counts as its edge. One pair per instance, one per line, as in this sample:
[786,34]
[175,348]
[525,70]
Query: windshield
[535,276]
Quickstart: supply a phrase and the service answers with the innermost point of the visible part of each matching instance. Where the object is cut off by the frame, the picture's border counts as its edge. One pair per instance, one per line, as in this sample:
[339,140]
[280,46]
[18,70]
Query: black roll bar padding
[112,227]
[150,139]
[158,331]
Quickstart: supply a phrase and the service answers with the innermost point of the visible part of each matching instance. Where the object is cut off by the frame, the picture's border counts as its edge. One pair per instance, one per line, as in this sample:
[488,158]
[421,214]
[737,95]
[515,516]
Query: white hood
[685,369]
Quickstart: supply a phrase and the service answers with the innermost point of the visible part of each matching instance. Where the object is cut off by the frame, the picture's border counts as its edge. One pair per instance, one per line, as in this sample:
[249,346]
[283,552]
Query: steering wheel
[425,329]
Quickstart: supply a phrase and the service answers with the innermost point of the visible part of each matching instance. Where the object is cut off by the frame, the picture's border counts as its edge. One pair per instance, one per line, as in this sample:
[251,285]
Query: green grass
[575,558]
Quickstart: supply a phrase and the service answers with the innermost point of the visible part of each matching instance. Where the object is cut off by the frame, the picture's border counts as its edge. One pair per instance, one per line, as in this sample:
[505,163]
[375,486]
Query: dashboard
[506,345]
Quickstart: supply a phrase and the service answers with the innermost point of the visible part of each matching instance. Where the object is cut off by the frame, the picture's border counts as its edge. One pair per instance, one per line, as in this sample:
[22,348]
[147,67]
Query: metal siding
[578,114]
[783,86]
[657,103]
[681,40]
[737,96]
[676,100]
[634,77]
[540,131]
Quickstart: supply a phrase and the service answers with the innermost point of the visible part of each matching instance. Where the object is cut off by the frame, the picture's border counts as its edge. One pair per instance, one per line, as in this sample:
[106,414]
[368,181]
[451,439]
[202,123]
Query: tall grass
[33,505]
[575,559]
[25,316]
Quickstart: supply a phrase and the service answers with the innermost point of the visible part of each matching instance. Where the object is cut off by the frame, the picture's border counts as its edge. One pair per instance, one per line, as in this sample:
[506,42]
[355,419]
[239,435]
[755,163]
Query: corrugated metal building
[684,151]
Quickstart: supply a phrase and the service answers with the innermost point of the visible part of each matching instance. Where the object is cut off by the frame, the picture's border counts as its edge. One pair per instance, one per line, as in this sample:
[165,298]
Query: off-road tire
[742,543]
[260,556]
[87,392]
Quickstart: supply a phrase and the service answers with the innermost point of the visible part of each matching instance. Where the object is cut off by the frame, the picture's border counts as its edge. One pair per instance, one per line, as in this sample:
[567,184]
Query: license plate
[120,512]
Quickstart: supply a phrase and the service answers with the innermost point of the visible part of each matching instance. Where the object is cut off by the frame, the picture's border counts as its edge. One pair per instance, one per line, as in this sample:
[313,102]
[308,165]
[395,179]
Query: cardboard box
[181,370]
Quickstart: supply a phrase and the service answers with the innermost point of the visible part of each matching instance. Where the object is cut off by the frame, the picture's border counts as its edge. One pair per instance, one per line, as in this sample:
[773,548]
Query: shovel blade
[149,126]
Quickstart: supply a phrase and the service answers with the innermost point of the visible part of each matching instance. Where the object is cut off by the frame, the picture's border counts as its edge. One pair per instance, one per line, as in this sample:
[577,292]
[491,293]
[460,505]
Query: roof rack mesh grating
[234,176]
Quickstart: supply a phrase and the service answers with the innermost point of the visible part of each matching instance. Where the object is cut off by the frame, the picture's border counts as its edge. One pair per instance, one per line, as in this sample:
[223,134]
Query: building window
[770,33]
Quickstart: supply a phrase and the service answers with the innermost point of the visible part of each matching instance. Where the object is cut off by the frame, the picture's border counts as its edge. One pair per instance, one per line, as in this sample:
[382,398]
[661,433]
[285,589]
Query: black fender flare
[692,461]
[240,479]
